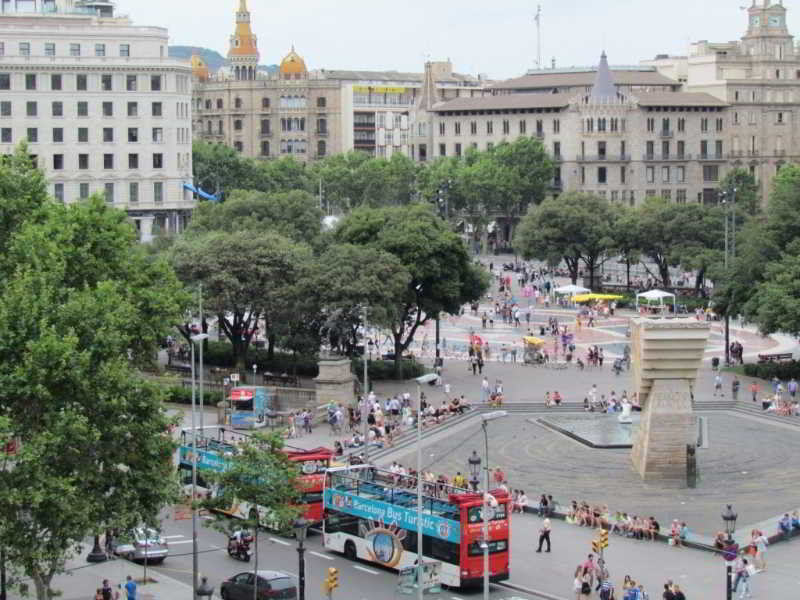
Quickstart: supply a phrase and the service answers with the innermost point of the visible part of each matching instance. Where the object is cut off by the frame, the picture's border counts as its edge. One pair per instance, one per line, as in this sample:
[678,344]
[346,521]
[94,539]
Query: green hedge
[781,370]
[183,395]
[378,370]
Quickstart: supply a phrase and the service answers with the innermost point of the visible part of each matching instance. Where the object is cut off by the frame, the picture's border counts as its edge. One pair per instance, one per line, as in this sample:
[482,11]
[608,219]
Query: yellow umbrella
[590,297]
[533,341]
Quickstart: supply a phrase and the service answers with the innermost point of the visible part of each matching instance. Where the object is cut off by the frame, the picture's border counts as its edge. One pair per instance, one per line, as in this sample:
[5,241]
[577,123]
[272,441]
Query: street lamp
[485,418]
[731,549]
[474,470]
[300,530]
[428,378]
[196,339]
[728,198]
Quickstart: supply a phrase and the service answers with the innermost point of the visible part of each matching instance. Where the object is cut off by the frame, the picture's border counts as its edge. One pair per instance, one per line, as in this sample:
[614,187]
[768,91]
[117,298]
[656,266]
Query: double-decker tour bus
[215,446]
[372,515]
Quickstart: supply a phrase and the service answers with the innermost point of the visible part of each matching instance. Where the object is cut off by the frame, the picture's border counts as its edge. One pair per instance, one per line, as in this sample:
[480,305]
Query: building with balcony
[101,106]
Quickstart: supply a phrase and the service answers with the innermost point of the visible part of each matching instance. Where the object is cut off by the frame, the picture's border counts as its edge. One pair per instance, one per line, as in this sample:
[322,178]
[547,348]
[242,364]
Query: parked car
[140,543]
[271,584]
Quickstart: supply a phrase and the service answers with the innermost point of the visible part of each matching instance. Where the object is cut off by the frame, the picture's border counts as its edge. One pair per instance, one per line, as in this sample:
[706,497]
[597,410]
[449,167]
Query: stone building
[309,114]
[101,105]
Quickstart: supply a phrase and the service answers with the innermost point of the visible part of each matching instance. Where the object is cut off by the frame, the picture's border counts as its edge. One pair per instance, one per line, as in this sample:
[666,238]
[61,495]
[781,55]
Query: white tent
[656,297]
[571,290]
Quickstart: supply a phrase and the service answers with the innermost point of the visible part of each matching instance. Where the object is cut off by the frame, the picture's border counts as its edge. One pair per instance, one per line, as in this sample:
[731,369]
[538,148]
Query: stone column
[335,382]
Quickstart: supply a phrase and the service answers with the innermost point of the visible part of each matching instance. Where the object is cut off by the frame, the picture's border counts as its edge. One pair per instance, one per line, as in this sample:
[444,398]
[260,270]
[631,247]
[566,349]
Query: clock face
[774,21]
[755,20]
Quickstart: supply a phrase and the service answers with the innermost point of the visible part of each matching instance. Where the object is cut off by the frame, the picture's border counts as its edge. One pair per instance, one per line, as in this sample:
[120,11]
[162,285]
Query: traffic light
[603,538]
[331,581]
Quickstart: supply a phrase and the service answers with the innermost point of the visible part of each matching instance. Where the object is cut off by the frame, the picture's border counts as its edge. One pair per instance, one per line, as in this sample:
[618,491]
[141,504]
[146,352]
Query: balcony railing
[321,133]
[711,156]
[604,158]
[666,133]
[676,156]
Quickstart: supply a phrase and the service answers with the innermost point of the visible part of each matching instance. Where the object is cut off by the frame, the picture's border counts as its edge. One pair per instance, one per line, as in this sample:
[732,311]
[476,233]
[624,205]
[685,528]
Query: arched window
[322,126]
[265,148]
[321,148]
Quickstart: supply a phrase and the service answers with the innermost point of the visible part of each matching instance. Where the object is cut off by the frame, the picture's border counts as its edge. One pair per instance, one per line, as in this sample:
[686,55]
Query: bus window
[474,513]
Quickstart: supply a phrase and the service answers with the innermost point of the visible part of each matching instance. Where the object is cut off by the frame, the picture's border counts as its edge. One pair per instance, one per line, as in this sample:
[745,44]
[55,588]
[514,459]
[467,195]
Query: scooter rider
[240,540]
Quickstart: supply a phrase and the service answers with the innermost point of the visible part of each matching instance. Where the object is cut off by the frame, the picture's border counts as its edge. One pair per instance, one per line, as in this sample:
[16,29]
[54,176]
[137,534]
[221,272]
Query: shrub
[219,354]
[183,395]
[378,370]
[781,370]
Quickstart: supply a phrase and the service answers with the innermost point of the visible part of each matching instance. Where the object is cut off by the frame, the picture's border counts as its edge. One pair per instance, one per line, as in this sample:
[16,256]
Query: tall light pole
[366,408]
[428,378]
[202,343]
[300,531]
[485,418]
[729,199]
[731,550]
[199,337]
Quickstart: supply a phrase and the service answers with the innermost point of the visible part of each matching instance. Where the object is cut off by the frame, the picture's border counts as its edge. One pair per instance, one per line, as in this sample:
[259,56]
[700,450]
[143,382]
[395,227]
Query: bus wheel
[350,550]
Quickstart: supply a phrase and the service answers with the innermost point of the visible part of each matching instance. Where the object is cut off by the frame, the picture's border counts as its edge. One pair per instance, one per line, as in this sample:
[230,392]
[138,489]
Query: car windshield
[152,534]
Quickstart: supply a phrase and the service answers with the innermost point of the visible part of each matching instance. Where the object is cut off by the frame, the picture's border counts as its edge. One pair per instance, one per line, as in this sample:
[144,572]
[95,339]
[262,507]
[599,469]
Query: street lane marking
[456,598]
[181,542]
[277,541]
[366,570]
[172,537]
[325,556]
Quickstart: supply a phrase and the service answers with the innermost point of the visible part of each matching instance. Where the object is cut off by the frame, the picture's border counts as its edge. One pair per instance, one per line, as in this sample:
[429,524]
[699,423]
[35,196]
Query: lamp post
[731,550]
[300,531]
[485,418]
[366,408]
[474,470]
[428,378]
[729,199]
[197,338]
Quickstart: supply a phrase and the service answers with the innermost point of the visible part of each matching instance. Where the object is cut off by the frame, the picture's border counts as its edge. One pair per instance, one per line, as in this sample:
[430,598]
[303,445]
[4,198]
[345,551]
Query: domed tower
[200,70]
[243,53]
[293,66]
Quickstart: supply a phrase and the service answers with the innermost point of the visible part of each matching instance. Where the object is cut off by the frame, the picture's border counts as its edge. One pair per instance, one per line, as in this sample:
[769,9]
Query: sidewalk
[82,579]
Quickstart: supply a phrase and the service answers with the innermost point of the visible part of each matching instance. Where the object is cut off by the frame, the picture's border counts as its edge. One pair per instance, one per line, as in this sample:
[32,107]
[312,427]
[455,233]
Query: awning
[572,289]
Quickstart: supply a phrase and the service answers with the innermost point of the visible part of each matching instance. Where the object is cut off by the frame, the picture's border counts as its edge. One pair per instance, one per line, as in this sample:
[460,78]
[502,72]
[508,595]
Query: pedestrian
[718,386]
[735,388]
[745,581]
[761,543]
[676,589]
[668,593]
[544,535]
[792,387]
[586,584]
[514,354]
[107,590]
[754,389]
[99,594]
[474,364]
[480,364]
[602,573]
[130,588]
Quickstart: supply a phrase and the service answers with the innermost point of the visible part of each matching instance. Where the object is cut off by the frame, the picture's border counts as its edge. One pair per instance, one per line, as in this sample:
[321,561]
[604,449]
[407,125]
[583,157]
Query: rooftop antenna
[538,19]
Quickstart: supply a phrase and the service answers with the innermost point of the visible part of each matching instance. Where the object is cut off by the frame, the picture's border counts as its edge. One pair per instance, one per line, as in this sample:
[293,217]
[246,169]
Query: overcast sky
[497,38]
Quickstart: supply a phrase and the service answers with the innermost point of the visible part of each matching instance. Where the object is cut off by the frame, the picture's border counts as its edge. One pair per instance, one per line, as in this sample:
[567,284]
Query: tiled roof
[506,102]
[677,99]
[389,76]
[583,78]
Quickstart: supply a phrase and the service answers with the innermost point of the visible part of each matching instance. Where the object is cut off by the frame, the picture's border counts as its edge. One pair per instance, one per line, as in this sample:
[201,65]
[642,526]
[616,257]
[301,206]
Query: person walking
[761,543]
[718,386]
[744,579]
[735,388]
[130,588]
[485,390]
[544,535]
[107,590]
[754,389]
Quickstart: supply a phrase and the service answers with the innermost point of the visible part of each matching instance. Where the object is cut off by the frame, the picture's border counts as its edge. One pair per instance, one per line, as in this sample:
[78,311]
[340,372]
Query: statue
[625,417]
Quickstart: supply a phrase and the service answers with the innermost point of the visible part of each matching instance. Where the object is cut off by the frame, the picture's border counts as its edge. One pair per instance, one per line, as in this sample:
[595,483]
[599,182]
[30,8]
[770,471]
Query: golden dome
[199,68]
[293,65]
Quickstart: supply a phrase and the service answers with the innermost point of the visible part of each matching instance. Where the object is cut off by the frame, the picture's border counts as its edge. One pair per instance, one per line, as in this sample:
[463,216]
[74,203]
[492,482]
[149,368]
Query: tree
[747,192]
[246,278]
[626,241]
[442,278]
[576,227]
[487,189]
[83,305]
[775,304]
[23,190]
[219,169]
[343,187]
[261,476]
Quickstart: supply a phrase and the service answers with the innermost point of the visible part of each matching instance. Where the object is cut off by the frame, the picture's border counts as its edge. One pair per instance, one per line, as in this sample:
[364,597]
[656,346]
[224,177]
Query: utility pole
[366,408]
[538,19]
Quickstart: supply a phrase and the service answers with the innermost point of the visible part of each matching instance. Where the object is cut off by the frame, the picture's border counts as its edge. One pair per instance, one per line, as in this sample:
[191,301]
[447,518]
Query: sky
[495,38]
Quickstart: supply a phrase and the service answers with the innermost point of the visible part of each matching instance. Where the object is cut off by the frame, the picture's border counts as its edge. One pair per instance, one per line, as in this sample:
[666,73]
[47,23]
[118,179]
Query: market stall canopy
[533,341]
[590,297]
[572,289]
[655,297]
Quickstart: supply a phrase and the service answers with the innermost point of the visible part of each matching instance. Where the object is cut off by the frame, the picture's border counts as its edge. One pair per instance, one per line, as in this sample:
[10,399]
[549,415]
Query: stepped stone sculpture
[335,382]
[666,355]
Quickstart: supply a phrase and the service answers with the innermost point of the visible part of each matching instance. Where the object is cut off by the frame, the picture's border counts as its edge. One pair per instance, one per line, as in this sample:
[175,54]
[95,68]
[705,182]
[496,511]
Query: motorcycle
[240,548]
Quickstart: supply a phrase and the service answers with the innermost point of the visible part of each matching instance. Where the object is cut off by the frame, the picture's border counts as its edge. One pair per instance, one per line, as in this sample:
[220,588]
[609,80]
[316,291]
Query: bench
[778,357]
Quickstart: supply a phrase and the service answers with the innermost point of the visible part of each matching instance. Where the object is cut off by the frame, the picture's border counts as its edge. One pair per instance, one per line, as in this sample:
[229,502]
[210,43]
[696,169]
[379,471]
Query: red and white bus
[312,464]
[371,515]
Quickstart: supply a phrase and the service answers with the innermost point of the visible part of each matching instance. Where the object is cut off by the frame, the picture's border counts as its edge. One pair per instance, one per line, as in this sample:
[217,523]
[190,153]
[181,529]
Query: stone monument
[335,382]
[666,355]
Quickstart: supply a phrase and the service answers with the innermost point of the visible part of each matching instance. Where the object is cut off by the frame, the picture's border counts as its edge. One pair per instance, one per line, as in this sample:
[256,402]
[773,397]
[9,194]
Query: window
[490,127]
[30,81]
[556,126]
[106,83]
[718,148]
[710,173]
[680,196]
[602,175]
[5,135]
[476,548]
[704,125]
[506,127]
[650,193]
[321,148]
[74,49]
[583,175]
[651,174]
[238,146]
[681,149]
[681,125]
[83,191]
[557,149]
[83,161]
[2,48]
[83,135]
[219,127]
[666,194]
[237,103]
[55,81]
[523,126]
[219,103]
[265,148]
[108,192]
[133,192]
[31,109]
[622,174]
[601,150]
[158,191]
[32,135]
[24,48]
[108,109]
[83,109]
[473,128]
[651,150]
[99,49]
[237,125]
[133,161]
[704,148]
[5,108]
[155,83]
[665,174]
[651,125]
[124,49]
[108,161]
[81,83]
[133,109]
[158,134]
[779,118]
[156,109]
[58,109]
[58,162]
[265,102]
[158,160]
[265,127]
[58,191]
[458,149]
[457,127]
[5,81]
[719,124]
[130,83]
[442,128]
[133,135]
[108,134]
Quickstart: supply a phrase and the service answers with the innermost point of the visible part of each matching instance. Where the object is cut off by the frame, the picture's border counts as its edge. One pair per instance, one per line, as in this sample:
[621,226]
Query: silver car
[142,543]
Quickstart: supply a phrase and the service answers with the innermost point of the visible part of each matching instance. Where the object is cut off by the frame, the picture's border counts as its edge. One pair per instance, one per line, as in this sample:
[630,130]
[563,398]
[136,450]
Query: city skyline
[506,43]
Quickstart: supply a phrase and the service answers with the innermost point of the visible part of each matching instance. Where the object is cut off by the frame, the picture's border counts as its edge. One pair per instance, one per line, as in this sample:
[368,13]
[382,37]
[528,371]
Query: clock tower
[767,34]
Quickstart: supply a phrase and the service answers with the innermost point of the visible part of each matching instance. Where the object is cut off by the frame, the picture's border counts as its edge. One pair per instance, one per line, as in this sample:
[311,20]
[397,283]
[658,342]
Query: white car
[142,543]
